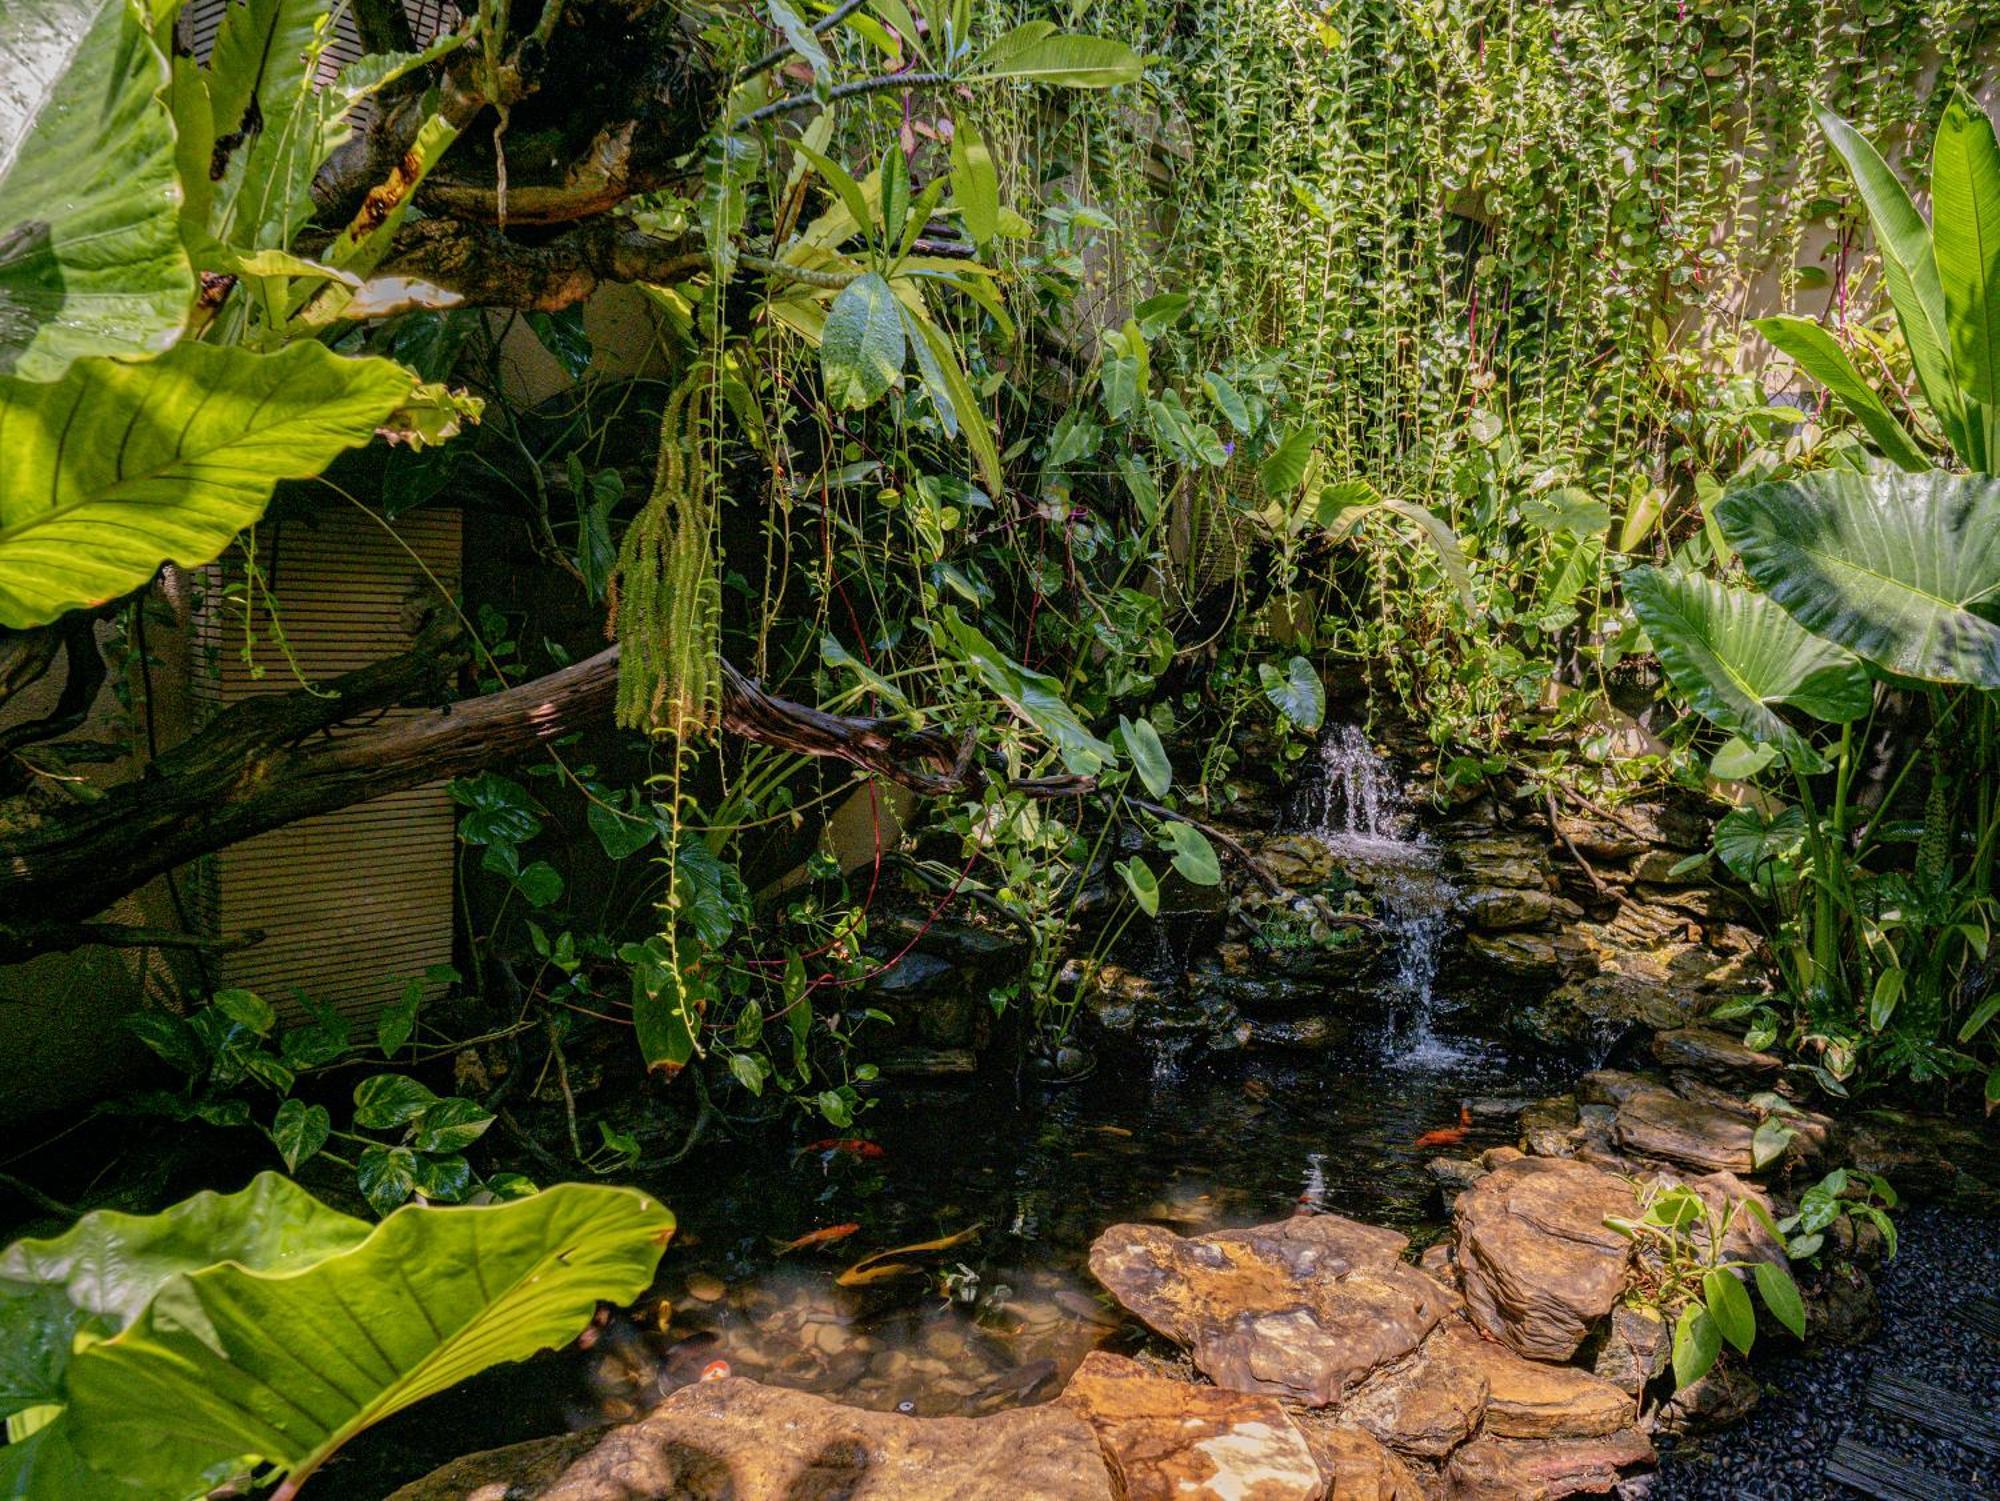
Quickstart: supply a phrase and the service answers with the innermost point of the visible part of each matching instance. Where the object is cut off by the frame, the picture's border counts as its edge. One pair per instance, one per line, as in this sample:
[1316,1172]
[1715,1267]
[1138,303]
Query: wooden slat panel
[355,903]
[1960,1419]
[1887,1477]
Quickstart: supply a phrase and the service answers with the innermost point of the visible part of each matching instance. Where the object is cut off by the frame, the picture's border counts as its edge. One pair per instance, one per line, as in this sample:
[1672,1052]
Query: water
[1001,1318]
[1358,809]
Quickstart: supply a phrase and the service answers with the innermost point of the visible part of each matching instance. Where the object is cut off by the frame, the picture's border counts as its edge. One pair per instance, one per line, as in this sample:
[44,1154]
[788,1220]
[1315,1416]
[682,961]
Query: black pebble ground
[1812,1399]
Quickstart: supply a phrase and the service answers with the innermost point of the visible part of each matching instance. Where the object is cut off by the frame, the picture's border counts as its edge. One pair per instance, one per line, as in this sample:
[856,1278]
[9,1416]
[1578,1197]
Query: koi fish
[1448,1136]
[715,1370]
[853,1146]
[879,1266]
[822,1237]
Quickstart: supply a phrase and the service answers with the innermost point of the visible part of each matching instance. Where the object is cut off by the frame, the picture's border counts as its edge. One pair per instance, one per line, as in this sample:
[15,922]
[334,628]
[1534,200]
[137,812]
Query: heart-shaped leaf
[861,349]
[1901,569]
[1737,656]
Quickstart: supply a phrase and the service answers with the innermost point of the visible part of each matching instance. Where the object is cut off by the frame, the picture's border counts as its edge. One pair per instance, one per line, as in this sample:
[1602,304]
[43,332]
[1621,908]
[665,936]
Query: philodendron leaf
[193,1387]
[1736,656]
[1781,1296]
[861,349]
[1036,698]
[1901,569]
[1194,856]
[97,1277]
[1297,692]
[117,468]
[1729,1305]
[1697,1342]
[1145,887]
[91,259]
[1149,756]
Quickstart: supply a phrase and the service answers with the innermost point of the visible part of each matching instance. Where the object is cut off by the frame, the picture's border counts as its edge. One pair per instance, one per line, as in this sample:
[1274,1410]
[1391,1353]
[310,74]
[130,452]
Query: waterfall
[1358,809]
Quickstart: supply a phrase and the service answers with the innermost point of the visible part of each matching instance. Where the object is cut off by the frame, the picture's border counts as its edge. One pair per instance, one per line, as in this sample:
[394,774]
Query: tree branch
[487,268]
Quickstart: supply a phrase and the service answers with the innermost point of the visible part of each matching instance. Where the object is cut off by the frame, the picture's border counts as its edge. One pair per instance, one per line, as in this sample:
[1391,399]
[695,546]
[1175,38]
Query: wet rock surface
[1304,1308]
[1538,1264]
[1167,1440]
[735,1440]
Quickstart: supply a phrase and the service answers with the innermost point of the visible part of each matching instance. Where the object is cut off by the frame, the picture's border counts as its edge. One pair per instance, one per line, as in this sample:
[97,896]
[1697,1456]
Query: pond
[1001,1316]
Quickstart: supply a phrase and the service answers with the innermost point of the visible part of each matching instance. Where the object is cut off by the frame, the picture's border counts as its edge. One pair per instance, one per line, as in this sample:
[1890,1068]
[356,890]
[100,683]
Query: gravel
[1812,1399]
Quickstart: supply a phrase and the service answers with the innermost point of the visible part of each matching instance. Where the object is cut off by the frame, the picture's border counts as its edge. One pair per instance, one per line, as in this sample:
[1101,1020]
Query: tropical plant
[247,1336]
[1683,1273]
[1844,1193]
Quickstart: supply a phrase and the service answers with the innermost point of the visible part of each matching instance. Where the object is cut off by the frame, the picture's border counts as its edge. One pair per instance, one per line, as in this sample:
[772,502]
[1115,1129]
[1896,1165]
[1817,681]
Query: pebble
[705,1287]
[1780,1452]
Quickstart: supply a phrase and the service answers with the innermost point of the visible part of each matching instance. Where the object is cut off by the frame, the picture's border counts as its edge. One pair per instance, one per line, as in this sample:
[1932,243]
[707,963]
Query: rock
[1715,1054]
[1659,1124]
[1424,1406]
[1549,1127]
[1494,1157]
[1538,1264]
[1358,1468]
[1300,861]
[1841,1309]
[1500,909]
[736,1440]
[1451,1174]
[1602,839]
[1529,955]
[1498,861]
[1634,1349]
[1172,1441]
[1528,1398]
[1516,1469]
[1311,1033]
[705,1287]
[1585,1012]
[1721,1398]
[1304,1308]
[1612,1086]
[1437,1261]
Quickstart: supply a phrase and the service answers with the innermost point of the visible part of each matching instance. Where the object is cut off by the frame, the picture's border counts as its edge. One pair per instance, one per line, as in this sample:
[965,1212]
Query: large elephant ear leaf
[1737,657]
[230,1365]
[99,1276]
[117,468]
[91,260]
[1902,569]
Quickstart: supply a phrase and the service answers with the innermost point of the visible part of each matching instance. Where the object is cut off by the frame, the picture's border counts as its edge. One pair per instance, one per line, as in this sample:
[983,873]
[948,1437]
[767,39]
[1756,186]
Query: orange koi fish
[1448,1136]
[822,1237]
[853,1146]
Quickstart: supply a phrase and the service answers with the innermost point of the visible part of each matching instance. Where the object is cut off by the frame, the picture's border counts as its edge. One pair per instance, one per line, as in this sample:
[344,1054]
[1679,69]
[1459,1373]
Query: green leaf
[1697,1342]
[1739,760]
[861,349]
[892,191]
[247,1009]
[117,468]
[1736,655]
[749,1070]
[430,1297]
[1729,1305]
[1227,401]
[845,188]
[1902,569]
[1035,698]
[1816,353]
[1965,238]
[539,883]
[975,182]
[499,810]
[1194,856]
[399,1019]
[91,257]
[1149,756]
[1768,1143]
[299,1130]
[619,834]
[1882,1000]
[386,1176]
[1781,1296]
[382,1101]
[1761,852]
[1909,267]
[442,1180]
[451,1125]
[1297,691]
[1145,887]
[978,434]
[1284,469]
[1065,60]
[664,1018]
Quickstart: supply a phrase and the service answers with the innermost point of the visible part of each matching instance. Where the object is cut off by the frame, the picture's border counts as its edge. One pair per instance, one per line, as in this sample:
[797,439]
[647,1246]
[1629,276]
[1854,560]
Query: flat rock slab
[1717,1054]
[1173,1441]
[1425,1406]
[1538,1264]
[1698,1134]
[737,1440]
[1530,1398]
[1526,1469]
[1305,1308]
[1358,1468]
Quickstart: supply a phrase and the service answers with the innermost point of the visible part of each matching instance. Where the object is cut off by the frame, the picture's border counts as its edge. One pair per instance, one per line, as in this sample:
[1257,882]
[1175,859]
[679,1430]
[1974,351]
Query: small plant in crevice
[1845,1194]
[1682,1272]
